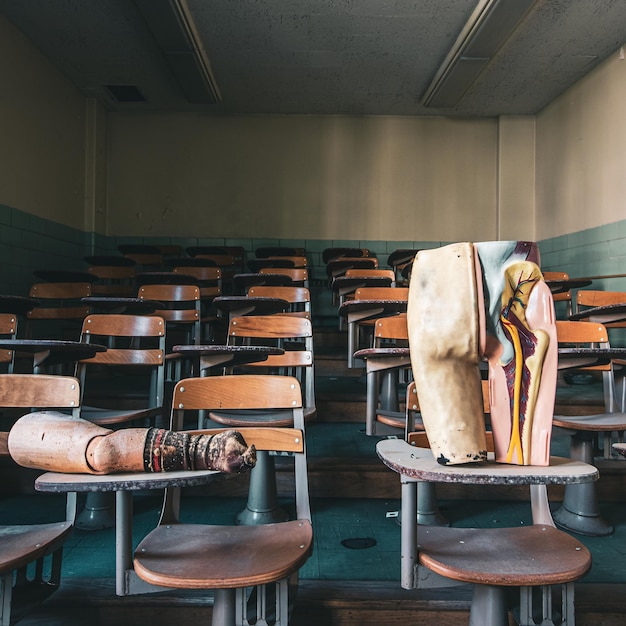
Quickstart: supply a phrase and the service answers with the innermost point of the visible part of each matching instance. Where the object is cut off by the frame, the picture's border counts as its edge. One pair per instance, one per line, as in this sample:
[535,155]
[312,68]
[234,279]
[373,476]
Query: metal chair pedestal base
[489,606]
[98,513]
[262,506]
[428,513]
[580,512]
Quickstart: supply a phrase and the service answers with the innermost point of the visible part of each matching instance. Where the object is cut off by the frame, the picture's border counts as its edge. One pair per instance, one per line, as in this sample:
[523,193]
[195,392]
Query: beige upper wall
[330,177]
[42,131]
[581,156]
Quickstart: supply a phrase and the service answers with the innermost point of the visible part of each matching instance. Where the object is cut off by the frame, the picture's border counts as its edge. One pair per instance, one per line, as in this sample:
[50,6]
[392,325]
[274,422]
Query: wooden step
[79,602]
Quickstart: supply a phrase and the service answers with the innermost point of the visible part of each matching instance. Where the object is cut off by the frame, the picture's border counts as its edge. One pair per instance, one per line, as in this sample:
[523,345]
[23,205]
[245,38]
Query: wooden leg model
[62,443]
[486,301]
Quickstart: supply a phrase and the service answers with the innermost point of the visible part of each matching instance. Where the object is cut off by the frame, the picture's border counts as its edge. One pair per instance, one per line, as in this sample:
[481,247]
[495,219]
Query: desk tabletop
[250,279]
[165,278]
[212,355]
[383,306]
[254,304]
[382,353]
[602,314]
[129,306]
[561,286]
[52,351]
[65,276]
[56,482]
[17,304]
[419,463]
[583,357]
[343,283]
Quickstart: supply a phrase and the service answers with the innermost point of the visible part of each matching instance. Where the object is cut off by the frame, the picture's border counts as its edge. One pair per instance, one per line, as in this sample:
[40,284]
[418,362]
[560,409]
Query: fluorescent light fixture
[489,26]
[174,29]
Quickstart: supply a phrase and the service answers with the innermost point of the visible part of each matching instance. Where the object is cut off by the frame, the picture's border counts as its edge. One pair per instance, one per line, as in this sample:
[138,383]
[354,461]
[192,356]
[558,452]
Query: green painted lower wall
[29,242]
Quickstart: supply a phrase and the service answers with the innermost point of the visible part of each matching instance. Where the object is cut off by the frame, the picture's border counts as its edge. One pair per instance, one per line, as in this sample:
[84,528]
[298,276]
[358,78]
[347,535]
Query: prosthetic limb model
[62,443]
[484,301]
[445,339]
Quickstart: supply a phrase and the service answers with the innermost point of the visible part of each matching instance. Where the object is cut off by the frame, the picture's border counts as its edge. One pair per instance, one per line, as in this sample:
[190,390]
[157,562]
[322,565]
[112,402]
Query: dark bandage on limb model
[61,443]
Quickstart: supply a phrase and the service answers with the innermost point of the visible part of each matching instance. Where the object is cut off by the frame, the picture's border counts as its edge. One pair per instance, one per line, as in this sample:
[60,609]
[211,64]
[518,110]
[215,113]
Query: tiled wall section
[597,251]
[28,242]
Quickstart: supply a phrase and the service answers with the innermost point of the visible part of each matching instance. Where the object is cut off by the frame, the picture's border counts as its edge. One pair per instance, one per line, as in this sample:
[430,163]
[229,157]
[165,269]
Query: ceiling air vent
[125,93]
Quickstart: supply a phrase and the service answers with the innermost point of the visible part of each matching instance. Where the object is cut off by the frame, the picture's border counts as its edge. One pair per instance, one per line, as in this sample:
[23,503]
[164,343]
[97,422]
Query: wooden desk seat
[528,557]
[24,544]
[231,559]
[579,511]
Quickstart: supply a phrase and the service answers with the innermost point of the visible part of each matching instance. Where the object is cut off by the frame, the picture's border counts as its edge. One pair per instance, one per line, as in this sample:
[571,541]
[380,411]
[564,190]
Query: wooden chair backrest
[269,326]
[382,293]
[8,330]
[63,301]
[60,291]
[293,295]
[555,275]
[296,274]
[200,272]
[115,331]
[41,391]
[586,333]
[393,327]
[297,261]
[244,391]
[360,272]
[117,280]
[113,325]
[581,332]
[183,300]
[280,330]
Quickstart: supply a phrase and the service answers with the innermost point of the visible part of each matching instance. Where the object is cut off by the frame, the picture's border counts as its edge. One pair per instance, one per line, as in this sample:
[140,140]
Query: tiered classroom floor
[353,497]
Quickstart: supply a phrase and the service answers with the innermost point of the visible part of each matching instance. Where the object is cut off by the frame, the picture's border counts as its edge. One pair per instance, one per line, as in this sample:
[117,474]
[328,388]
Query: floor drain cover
[358,543]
